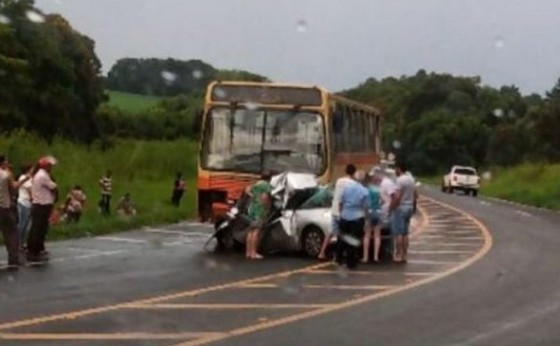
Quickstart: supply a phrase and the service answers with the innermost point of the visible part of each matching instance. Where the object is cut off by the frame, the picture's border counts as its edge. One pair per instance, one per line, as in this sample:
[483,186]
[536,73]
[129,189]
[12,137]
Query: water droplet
[169,77]
[4,19]
[88,235]
[499,42]
[197,74]
[252,106]
[156,243]
[220,93]
[10,278]
[397,144]
[487,175]
[342,272]
[498,112]
[511,113]
[210,263]
[351,240]
[35,17]
[301,25]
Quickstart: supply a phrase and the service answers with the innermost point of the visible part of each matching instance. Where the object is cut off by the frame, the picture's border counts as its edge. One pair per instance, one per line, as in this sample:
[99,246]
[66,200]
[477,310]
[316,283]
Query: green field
[533,184]
[131,103]
[146,169]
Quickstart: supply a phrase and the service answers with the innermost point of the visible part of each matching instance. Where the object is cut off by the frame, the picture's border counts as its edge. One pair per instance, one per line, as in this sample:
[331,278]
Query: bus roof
[325,94]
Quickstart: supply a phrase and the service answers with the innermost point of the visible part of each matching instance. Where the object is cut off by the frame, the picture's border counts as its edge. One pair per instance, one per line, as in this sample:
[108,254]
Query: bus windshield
[261,140]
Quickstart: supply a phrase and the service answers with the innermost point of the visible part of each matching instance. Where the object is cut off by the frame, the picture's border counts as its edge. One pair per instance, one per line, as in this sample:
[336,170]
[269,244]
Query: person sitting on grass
[75,203]
[125,207]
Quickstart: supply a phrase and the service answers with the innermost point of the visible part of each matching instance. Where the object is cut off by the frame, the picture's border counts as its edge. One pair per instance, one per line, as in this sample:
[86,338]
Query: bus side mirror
[197,123]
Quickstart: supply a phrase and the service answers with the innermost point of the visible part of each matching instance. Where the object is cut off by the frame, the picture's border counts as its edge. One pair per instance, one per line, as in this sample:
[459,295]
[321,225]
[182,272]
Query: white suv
[461,178]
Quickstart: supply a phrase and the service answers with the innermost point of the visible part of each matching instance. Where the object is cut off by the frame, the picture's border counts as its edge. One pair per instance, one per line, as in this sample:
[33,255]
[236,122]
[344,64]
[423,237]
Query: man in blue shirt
[353,206]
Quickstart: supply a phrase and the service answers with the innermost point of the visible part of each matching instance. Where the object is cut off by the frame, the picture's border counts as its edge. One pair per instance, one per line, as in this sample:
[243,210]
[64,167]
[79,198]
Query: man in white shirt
[7,216]
[24,205]
[407,196]
[43,195]
[339,186]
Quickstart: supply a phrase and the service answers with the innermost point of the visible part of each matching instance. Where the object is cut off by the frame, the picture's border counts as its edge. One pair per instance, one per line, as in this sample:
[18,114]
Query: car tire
[312,241]
[475,193]
[450,189]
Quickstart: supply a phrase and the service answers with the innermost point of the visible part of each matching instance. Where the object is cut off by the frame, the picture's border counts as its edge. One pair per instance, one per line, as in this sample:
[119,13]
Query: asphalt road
[462,286]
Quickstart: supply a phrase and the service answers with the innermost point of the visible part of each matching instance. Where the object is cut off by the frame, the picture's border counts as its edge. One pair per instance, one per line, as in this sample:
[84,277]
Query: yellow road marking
[157,299]
[440,252]
[107,336]
[434,262]
[363,272]
[487,245]
[350,287]
[334,287]
[228,306]
[190,293]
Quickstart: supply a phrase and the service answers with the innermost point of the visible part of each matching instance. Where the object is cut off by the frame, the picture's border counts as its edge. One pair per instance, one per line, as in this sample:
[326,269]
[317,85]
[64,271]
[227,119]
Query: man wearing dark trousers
[7,217]
[354,206]
[43,194]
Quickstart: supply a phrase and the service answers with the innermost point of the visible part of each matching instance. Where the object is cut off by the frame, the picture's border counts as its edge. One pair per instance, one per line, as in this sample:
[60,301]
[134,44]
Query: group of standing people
[362,206]
[37,192]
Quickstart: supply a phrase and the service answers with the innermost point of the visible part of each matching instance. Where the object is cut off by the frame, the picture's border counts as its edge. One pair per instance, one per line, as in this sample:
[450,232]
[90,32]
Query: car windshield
[321,199]
[259,140]
[465,171]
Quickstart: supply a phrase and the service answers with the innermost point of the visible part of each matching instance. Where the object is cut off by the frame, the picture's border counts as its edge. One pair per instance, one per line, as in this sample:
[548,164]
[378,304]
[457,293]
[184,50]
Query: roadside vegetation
[145,169]
[130,103]
[533,184]
[141,121]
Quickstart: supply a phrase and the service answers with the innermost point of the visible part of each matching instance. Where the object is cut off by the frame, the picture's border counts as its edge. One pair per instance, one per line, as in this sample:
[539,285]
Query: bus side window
[338,124]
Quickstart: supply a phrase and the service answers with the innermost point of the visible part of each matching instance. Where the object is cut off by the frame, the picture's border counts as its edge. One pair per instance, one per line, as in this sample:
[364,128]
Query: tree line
[51,84]
[432,121]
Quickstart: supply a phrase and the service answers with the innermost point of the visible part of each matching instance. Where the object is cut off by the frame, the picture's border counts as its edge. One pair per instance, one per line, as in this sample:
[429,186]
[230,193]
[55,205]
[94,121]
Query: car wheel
[475,193]
[312,241]
[225,241]
[450,189]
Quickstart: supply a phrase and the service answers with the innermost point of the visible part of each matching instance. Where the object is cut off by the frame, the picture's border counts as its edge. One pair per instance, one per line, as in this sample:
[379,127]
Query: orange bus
[249,128]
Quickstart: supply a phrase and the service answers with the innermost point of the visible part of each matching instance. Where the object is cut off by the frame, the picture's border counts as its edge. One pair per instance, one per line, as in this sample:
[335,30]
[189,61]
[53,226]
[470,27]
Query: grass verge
[131,103]
[145,169]
[532,184]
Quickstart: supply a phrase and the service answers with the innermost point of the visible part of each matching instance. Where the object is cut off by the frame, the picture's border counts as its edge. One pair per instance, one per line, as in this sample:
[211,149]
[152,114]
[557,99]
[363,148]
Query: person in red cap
[43,195]
[8,187]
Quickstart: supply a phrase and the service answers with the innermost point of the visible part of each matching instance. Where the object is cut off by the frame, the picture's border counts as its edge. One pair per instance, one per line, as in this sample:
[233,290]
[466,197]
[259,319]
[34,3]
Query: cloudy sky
[334,43]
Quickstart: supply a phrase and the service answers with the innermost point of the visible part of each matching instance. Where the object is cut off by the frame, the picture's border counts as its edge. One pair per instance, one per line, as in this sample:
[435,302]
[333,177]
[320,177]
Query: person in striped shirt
[106,185]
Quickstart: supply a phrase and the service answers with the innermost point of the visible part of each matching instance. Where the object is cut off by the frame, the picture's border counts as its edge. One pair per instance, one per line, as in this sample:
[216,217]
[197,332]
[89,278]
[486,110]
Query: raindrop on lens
[197,74]
[252,106]
[353,241]
[499,42]
[397,144]
[498,112]
[11,278]
[169,77]
[487,175]
[4,19]
[35,17]
[301,25]
[210,264]
[220,93]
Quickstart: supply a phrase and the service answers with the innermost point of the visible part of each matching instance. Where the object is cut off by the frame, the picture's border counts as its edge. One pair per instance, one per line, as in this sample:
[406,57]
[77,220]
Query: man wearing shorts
[339,186]
[406,197]
[354,205]
[258,211]
[373,227]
